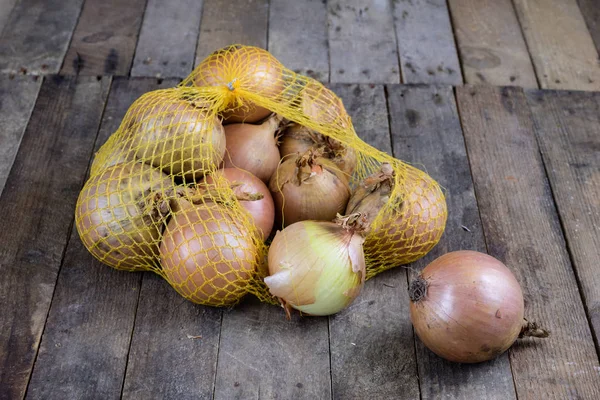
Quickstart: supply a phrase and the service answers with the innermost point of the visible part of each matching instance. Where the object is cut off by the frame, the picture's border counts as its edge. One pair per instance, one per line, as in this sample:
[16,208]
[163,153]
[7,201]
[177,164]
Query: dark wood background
[517,149]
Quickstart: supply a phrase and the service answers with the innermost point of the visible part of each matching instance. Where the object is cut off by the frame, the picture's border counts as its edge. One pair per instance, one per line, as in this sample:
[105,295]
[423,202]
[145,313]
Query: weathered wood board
[168,39]
[40,193]
[226,22]
[426,42]
[522,229]
[18,94]
[362,43]
[491,44]
[298,36]
[37,34]
[105,38]
[568,130]
[560,44]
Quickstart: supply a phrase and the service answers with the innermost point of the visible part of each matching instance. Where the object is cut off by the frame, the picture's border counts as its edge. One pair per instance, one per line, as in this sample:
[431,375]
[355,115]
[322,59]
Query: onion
[244,183]
[297,139]
[206,255]
[316,267]
[408,229]
[113,152]
[242,69]
[468,307]
[323,107]
[116,218]
[253,147]
[308,187]
[178,136]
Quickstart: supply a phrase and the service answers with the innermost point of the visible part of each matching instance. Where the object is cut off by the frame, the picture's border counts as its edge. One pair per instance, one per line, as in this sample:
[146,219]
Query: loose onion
[316,267]
[308,187]
[116,218]
[468,307]
[253,147]
[206,255]
[244,183]
[248,69]
[297,139]
[173,134]
[410,228]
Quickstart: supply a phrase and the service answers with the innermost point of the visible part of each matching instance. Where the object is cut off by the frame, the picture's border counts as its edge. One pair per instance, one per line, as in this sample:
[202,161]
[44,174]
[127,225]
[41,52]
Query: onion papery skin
[298,139]
[253,148]
[242,70]
[178,136]
[262,210]
[472,309]
[313,190]
[401,230]
[316,267]
[116,219]
[207,256]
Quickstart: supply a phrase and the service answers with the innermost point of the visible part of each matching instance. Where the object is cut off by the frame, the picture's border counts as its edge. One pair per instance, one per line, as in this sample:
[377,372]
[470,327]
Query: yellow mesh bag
[147,206]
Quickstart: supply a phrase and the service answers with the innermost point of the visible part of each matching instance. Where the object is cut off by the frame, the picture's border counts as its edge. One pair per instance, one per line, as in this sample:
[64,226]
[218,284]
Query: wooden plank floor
[519,161]
[150,343]
[543,43]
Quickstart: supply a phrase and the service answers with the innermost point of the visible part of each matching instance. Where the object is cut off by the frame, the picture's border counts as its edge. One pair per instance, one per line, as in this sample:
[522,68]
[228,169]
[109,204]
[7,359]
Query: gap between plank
[134,51]
[537,78]
[193,68]
[458,55]
[217,357]
[76,74]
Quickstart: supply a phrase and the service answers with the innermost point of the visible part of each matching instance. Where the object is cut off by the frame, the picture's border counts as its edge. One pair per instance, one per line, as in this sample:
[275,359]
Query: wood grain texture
[298,36]
[41,192]
[568,129]
[491,44]
[426,42]
[560,44]
[590,9]
[37,34]
[372,348]
[17,97]
[362,43]
[174,346]
[226,22]
[263,355]
[89,324]
[522,229]
[426,132]
[6,7]
[168,39]
[105,38]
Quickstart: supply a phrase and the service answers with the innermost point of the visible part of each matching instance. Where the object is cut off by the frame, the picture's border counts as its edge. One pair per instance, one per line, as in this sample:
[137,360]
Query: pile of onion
[407,229]
[307,187]
[206,255]
[246,187]
[317,267]
[117,217]
[242,70]
[253,147]
[468,307]
[298,139]
[180,137]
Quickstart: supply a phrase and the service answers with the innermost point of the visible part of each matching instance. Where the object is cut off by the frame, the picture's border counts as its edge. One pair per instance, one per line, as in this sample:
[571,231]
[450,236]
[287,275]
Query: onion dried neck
[417,290]
[531,329]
